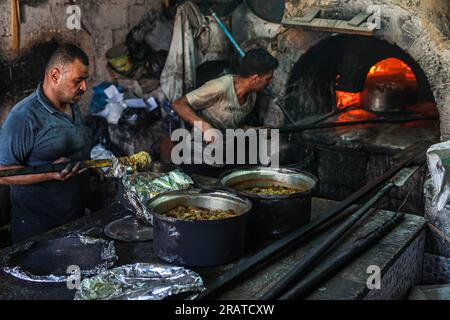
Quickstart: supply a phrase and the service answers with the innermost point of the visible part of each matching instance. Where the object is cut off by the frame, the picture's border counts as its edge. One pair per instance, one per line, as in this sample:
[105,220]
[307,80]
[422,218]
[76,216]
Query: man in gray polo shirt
[46,128]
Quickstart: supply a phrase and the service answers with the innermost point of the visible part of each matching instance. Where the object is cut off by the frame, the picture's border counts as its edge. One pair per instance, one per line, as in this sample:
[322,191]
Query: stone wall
[106,23]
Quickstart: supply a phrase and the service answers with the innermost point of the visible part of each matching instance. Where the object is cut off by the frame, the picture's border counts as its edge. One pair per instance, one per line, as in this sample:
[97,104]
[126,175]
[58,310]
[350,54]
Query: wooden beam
[310,14]
[15,26]
[330,25]
[358,19]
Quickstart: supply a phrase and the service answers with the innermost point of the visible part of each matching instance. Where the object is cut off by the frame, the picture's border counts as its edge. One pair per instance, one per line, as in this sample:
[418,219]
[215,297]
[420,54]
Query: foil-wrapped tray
[140,281]
[49,260]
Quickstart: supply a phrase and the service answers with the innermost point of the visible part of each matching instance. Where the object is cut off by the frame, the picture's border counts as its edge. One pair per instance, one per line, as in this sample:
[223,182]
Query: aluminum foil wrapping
[117,170]
[141,187]
[108,257]
[140,281]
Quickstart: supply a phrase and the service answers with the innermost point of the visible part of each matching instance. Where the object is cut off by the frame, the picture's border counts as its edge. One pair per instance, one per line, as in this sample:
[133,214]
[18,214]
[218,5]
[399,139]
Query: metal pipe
[327,269]
[324,272]
[228,34]
[331,241]
[301,234]
[278,103]
[354,123]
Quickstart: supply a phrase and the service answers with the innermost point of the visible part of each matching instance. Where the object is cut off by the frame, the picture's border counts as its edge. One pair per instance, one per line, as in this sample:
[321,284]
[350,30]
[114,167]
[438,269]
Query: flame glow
[391,67]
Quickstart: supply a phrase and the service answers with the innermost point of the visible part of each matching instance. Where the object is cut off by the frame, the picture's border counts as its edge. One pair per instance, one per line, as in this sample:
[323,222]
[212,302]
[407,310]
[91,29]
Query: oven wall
[420,28]
[436,12]
[108,23]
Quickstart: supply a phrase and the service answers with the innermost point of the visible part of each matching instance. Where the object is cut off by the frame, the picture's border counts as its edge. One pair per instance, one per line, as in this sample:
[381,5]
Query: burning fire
[345,99]
[391,67]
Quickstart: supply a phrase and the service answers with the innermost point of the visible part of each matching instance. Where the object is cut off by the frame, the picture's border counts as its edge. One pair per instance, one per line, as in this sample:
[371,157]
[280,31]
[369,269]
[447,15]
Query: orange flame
[391,67]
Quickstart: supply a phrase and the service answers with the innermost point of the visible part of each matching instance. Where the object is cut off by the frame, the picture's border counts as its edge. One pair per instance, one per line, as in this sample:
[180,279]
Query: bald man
[42,129]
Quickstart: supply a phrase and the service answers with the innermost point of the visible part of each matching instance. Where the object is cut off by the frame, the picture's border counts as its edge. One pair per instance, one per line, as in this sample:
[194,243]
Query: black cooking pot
[273,216]
[389,94]
[199,243]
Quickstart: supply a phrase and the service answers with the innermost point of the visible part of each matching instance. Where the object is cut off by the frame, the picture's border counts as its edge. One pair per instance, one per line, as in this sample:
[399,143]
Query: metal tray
[129,229]
[49,260]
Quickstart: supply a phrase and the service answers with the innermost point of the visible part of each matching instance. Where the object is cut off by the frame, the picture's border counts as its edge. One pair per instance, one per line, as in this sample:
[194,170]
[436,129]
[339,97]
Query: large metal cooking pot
[273,216]
[388,94]
[199,243]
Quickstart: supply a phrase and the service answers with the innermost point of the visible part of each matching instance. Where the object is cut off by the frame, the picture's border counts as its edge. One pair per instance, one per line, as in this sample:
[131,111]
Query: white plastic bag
[113,112]
[440,173]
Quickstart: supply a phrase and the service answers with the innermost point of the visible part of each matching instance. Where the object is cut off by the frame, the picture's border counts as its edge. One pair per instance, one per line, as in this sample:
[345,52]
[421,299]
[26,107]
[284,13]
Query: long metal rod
[331,267]
[354,123]
[250,264]
[278,103]
[331,241]
[242,54]
[332,113]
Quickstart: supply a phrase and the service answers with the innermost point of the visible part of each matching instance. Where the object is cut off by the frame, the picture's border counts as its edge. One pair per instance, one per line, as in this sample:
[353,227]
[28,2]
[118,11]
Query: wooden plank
[358,19]
[15,26]
[328,25]
[311,13]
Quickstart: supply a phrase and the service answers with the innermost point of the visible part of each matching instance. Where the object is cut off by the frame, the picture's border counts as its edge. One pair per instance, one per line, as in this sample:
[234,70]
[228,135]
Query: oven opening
[354,79]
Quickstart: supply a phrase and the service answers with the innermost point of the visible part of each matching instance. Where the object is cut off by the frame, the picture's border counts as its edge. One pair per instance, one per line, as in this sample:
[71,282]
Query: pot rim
[270,197]
[200,192]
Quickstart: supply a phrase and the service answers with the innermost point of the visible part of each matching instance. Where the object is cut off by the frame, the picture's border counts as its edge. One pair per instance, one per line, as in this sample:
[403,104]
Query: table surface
[349,283]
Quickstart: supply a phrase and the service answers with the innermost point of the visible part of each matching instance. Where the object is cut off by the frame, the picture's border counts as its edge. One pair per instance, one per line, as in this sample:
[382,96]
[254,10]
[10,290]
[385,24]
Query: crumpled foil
[108,255]
[140,281]
[139,188]
[117,170]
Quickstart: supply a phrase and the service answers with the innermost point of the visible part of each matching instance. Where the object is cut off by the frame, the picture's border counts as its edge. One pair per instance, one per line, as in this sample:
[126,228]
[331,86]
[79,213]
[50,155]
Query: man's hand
[68,171]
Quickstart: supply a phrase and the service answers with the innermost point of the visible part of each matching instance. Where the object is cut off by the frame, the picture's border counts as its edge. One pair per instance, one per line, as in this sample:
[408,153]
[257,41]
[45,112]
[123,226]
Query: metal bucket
[273,216]
[199,243]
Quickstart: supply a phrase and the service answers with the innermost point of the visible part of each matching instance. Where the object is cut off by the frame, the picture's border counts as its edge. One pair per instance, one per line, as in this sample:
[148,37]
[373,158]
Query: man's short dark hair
[257,61]
[65,54]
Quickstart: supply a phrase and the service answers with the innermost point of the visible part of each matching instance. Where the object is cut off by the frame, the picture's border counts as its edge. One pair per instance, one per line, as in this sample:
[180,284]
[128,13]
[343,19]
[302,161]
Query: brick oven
[334,68]
[333,73]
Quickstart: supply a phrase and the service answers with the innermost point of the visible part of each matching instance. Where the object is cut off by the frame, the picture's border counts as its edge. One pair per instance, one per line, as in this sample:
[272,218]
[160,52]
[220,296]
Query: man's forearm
[24,180]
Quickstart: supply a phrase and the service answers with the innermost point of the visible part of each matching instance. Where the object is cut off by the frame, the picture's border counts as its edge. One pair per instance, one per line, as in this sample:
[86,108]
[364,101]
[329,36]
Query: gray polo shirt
[35,133]
[218,103]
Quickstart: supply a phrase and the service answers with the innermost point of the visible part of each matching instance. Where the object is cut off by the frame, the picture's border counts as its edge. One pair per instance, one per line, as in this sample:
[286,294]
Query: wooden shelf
[310,21]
